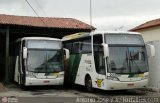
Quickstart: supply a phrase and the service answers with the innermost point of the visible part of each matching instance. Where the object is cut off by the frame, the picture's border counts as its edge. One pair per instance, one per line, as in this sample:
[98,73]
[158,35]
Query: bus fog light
[112,78]
[61,75]
[145,77]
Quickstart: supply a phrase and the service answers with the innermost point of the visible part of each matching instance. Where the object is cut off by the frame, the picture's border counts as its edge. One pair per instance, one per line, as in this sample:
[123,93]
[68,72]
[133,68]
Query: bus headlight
[112,78]
[30,74]
[145,77]
[61,75]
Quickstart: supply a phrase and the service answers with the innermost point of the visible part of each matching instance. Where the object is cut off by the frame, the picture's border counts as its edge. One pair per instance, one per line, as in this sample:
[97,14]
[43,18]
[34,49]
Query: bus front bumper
[118,85]
[36,82]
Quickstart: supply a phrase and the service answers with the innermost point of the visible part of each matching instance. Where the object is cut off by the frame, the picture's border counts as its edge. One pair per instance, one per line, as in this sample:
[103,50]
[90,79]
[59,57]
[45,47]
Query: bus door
[99,60]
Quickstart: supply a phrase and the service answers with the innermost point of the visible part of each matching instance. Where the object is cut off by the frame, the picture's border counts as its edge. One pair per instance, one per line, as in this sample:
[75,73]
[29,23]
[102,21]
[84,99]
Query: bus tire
[88,84]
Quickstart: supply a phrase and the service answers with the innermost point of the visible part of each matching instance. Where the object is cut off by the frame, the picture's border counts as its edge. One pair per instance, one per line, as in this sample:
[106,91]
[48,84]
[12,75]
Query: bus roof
[37,38]
[75,36]
[85,34]
[113,32]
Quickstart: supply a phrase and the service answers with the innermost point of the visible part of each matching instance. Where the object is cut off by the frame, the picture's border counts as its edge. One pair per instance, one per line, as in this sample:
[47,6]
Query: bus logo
[99,82]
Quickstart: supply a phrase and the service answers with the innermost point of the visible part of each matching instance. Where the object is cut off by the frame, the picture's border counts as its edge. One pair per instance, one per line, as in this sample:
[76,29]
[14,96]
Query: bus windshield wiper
[127,59]
[133,61]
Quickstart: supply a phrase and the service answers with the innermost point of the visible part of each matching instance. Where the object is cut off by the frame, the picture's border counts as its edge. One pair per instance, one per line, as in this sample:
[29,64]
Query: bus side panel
[73,67]
[14,61]
[85,67]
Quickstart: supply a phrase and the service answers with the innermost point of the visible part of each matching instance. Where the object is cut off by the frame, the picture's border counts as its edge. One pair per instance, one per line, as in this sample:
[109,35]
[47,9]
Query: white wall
[154,66]
[151,34]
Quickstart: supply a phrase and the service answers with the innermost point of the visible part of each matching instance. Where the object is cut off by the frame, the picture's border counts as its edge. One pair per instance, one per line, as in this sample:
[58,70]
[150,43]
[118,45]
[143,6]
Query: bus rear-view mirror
[24,53]
[66,54]
[106,50]
[150,50]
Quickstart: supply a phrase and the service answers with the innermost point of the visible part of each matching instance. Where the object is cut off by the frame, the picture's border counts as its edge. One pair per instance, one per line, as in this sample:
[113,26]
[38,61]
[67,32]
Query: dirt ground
[48,93]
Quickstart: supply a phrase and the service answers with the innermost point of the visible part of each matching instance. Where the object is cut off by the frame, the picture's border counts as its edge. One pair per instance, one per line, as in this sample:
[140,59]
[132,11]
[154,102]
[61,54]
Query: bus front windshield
[124,60]
[43,61]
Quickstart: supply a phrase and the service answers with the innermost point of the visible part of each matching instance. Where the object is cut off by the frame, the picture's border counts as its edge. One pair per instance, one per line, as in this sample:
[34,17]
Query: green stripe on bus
[74,65]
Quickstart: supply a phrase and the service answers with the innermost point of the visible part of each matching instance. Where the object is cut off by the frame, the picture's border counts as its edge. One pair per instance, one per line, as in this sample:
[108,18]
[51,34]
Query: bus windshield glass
[127,60]
[43,61]
[127,53]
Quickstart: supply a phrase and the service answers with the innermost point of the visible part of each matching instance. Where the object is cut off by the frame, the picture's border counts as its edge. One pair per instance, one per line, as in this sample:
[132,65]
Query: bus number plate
[130,85]
[46,81]
[114,75]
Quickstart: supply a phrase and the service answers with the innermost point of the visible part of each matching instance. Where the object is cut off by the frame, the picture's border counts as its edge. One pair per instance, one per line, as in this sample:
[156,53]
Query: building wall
[154,66]
[153,34]
[150,34]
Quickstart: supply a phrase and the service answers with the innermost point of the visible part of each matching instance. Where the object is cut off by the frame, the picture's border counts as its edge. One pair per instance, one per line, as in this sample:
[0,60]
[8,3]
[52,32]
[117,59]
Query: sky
[106,14]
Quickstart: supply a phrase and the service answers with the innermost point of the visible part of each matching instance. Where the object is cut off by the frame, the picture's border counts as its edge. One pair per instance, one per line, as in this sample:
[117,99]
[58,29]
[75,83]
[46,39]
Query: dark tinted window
[82,45]
[98,54]
[86,46]
[76,47]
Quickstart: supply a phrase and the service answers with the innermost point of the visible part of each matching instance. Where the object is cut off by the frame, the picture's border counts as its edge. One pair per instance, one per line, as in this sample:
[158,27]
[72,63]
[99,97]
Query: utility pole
[90,12]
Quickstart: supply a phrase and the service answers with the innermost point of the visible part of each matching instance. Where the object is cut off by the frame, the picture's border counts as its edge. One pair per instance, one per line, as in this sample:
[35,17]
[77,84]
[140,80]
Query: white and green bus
[37,61]
[107,60]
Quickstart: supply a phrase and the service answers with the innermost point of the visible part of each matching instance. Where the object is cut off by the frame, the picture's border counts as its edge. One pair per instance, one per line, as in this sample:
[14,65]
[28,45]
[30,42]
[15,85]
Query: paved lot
[51,94]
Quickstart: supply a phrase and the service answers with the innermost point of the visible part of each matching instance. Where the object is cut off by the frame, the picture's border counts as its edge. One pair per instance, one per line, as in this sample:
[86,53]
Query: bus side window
[68,46]
[73,47]
[98,54]
[86,46]
[76,47]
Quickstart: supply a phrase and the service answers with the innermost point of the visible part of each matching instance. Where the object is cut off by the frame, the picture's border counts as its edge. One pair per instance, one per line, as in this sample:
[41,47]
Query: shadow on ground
[37,90]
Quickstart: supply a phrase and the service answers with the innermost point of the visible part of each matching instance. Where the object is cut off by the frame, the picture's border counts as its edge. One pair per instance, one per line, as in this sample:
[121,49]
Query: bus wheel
[88,84]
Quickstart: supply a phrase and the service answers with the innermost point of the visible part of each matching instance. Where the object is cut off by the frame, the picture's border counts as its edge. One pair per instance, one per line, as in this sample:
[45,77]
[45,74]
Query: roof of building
[148,24]
[49,22]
